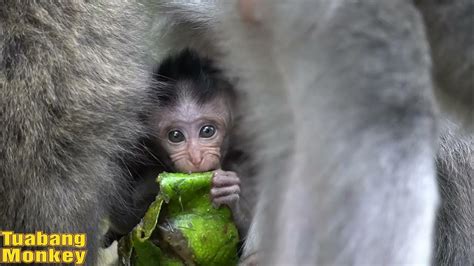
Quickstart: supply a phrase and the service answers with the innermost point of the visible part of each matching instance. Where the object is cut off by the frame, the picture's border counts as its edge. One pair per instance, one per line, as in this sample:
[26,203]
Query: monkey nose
[196,158]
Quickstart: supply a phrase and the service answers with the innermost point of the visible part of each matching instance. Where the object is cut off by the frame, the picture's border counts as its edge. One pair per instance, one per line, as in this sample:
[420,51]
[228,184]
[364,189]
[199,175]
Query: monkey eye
[207,131]
[175,136]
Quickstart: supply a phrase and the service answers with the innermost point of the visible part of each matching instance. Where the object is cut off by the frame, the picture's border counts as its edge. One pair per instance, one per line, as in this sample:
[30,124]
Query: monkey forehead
[189,111]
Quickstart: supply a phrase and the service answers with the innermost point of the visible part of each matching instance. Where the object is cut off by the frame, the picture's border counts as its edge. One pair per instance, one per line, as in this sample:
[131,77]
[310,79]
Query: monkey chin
[186,166]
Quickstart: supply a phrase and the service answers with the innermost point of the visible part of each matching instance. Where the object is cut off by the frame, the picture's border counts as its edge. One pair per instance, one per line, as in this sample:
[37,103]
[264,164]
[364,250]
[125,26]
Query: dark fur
[206,81]
[449,31]
[70,82]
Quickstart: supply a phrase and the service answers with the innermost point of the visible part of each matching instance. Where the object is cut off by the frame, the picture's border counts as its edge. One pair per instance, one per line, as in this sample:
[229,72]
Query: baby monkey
[191,125]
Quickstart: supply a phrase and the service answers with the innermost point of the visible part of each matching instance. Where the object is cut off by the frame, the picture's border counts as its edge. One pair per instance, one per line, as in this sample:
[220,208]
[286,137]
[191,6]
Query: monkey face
[193,135]
[195,149]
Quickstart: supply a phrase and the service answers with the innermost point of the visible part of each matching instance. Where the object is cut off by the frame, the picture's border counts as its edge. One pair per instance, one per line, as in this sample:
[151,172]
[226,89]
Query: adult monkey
[343,93]
[71,89]
[381,51]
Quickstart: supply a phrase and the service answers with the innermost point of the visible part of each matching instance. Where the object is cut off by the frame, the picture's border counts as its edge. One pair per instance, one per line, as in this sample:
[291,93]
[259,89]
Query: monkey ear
[248,11]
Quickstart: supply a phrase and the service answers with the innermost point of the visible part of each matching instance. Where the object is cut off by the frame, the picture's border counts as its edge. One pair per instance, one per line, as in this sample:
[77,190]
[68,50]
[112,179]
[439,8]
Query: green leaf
[181,227]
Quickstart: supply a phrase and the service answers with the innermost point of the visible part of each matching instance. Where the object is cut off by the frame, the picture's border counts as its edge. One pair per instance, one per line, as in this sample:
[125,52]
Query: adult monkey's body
[358,74]
[354,183]
[70,84]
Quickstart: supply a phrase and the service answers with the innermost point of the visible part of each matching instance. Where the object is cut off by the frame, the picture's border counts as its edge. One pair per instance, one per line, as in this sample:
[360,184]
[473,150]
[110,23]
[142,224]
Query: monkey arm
[242,218]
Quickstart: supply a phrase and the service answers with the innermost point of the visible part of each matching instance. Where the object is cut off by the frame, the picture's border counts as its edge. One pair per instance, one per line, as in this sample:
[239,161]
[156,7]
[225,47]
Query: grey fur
[455,223]
[176,25]
[339,110]
[353,108]
[70,83]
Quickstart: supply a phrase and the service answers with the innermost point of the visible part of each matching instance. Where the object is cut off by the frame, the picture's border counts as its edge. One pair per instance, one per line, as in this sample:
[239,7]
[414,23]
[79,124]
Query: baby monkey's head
[193,115]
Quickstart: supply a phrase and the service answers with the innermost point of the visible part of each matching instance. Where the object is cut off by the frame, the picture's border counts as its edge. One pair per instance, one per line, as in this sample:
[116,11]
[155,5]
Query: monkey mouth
[202,168]
[188,167]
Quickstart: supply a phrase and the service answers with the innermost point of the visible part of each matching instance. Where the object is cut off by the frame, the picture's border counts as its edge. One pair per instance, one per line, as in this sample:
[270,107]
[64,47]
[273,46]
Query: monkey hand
[225,189]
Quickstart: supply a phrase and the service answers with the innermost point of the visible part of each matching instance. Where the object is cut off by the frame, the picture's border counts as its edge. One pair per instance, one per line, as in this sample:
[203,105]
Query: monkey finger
[219,172]
[225,181]
[224,173]
[219,192]
[230,174]
[229,200]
